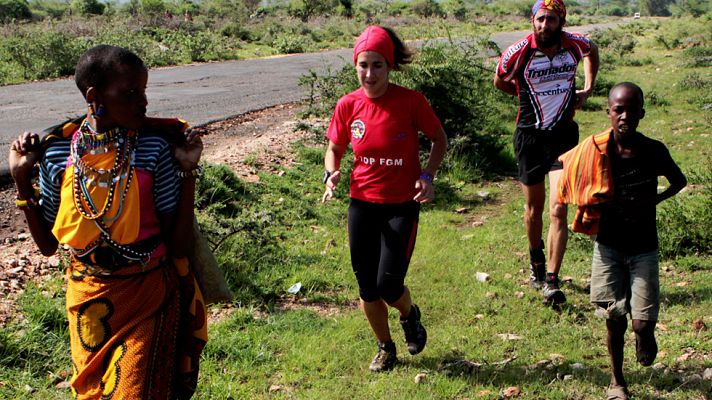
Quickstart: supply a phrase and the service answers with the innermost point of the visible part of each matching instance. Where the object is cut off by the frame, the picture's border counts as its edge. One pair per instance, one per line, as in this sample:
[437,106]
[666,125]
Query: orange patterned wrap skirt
[137,332]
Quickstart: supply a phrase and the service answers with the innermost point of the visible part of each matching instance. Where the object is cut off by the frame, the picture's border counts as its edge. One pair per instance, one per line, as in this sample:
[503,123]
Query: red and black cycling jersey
[546,86]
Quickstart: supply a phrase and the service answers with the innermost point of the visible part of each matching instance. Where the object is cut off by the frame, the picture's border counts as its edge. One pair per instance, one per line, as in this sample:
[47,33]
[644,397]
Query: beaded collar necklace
[99,142]
[85,175]
[89,141]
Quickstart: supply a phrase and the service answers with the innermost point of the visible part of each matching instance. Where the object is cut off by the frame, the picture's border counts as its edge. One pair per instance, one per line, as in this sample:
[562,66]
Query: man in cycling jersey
[541,69]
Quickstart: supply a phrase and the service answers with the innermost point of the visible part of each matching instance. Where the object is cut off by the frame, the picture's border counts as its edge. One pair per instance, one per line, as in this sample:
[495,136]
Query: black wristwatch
[326,176]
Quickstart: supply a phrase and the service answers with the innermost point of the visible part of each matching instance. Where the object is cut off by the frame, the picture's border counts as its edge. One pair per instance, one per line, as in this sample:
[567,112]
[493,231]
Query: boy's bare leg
[646,348]
[615,341]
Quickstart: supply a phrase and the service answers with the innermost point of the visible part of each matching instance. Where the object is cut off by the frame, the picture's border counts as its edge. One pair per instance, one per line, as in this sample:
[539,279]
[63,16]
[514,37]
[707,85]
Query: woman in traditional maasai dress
[113,192]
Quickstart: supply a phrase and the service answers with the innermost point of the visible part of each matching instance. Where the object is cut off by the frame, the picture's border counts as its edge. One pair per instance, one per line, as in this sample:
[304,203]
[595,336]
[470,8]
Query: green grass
[317,344]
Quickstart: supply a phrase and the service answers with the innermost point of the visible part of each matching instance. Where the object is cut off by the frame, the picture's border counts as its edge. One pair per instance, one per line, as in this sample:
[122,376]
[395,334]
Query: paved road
[198,93]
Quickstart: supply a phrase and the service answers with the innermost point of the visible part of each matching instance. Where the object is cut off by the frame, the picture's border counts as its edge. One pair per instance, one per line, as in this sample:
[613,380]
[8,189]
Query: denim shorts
[622,284]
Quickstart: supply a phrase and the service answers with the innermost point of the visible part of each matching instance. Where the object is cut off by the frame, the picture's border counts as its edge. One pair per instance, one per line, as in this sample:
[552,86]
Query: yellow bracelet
[20,203]
[31,202]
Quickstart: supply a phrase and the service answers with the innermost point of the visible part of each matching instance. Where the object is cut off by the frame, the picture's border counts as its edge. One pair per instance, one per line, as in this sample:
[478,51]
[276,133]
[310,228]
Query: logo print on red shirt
[358,129]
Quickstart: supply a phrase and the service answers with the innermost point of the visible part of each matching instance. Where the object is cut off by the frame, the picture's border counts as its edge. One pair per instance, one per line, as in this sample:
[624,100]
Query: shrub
[455,8]
[684,221]
[14,9]
[615,41]
[426,8]
[325,90]
[602,86]
[305,9]
[234,10]
[656,99]
[42,9]
[657,7]
[614,10]
[87,7]
[635,62]
[290,43]
[346,8]
[693,81]
[237,31]
[152,8]
[522,8]
[395,9]
[695,8]
[42,55]
[698,56]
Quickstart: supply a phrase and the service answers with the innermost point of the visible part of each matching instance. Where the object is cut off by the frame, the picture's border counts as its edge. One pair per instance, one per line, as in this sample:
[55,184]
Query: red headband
[375,38]
[557,6]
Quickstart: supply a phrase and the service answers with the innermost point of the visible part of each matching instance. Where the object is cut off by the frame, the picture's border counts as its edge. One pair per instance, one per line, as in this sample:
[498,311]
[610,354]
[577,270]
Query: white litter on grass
[509,336]
[482,276]
[294,289]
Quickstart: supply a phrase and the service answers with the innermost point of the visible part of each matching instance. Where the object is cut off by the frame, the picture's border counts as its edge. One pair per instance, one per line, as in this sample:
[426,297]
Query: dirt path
[261,138]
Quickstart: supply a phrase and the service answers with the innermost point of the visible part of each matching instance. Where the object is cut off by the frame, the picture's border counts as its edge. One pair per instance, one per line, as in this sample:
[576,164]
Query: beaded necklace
[98,142]
[85,174]
[90,141]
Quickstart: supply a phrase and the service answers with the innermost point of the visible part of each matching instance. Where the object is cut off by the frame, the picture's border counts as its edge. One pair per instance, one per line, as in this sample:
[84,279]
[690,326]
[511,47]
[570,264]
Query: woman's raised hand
[188,154]
[25,151]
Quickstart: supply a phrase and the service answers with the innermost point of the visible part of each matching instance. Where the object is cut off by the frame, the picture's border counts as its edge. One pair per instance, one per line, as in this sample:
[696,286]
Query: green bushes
[695,8]
[39,55]
[455,9]
[459,89]
[87,7]
[426,8]
[14,9]
[684,221]
[51,50]
[290,43]
[53,9]
[615,41]
[698,56]
[305,9]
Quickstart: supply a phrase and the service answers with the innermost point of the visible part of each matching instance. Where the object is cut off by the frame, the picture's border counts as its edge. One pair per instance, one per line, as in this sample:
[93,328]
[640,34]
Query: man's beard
[553,39]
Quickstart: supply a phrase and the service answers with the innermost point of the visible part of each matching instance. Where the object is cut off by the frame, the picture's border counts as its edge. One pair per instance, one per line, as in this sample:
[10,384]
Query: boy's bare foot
[617,393]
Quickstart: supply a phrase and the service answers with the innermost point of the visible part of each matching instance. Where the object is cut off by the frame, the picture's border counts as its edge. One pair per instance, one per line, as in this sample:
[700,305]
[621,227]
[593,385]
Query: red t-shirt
[383,133]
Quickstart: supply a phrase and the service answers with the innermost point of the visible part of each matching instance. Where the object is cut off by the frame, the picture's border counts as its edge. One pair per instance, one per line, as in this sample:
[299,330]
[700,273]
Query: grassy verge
[485,337]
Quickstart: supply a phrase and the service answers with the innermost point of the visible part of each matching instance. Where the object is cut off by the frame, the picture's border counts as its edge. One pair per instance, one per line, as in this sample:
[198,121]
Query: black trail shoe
[415,334]
[537,274]
[385,358]
[537,267]
[552,293]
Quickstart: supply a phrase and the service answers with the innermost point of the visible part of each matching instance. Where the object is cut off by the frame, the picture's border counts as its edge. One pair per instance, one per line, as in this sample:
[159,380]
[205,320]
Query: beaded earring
[98,113]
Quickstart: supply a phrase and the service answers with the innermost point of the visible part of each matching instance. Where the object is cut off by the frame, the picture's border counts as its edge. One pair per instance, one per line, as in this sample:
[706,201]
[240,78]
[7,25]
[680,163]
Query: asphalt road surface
[200,93]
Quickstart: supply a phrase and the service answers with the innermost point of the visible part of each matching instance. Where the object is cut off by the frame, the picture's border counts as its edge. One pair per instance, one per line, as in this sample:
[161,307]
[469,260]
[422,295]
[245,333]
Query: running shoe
[552,293]
[537,267]
[537,275]
[415,334]
[385,358]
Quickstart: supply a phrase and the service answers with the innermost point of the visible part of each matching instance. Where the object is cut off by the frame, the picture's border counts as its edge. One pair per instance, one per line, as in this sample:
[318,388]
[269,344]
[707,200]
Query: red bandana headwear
[557,6]
[375,38]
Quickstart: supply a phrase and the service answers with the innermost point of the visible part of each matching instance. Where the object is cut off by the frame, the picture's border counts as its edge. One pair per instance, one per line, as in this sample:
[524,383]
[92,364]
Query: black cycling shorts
[382,238]
[537,151]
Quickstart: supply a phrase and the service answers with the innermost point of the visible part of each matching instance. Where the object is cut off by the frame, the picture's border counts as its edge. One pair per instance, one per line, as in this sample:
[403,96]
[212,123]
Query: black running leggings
[382,238]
